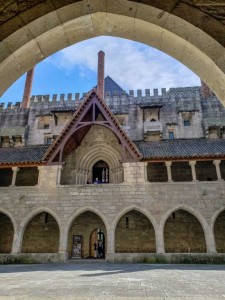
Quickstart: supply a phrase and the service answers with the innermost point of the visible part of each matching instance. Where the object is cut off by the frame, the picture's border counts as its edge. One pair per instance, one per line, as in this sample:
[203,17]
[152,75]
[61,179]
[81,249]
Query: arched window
[100,172]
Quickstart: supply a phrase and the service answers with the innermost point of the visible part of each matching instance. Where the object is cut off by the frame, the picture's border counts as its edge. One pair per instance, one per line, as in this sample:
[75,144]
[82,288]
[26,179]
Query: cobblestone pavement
[112,281]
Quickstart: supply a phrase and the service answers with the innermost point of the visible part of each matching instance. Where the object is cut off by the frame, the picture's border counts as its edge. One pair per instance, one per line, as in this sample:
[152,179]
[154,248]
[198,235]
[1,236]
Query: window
[46,126]
[153,120]
[187,123]
[48,141]
[171,135]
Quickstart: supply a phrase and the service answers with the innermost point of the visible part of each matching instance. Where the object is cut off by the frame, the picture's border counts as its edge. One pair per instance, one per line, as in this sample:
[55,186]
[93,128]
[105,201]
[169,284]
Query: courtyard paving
[112,281]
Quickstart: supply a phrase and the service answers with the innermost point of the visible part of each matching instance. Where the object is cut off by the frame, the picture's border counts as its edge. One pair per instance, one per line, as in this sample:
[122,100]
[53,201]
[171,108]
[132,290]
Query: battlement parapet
[112,98]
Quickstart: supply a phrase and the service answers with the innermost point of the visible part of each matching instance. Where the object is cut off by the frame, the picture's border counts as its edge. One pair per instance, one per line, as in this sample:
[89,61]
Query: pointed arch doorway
[97,244]
[100,172]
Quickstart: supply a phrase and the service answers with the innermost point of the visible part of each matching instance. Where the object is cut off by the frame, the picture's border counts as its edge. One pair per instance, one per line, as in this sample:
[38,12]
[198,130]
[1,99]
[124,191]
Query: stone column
[192,164]
[17,241]
[48,175]
[216,163]
[168,166]
[110,246]
[15,170]
[134,172]
[159,239]
[210,240]
[59,175]
[63,244]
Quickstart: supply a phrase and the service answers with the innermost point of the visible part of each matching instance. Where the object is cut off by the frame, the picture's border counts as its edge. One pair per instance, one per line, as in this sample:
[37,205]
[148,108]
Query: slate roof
[25,154]
[111,86]
[182,148]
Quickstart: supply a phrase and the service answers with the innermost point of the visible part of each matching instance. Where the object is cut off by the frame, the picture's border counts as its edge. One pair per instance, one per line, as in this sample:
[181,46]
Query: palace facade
[114,175]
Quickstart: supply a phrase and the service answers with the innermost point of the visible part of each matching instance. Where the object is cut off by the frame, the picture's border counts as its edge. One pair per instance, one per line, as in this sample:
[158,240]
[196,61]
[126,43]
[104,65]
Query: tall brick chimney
[27,89]
[101,74]
[205,90]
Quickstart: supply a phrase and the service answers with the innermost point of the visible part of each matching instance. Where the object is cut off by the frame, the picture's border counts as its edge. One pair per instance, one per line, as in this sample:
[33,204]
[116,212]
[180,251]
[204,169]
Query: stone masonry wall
[183,234]
[41,235]
[134,234]
[110,202]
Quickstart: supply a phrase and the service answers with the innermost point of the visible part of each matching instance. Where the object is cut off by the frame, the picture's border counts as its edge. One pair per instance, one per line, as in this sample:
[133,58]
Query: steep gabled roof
[82,120]
[112,87]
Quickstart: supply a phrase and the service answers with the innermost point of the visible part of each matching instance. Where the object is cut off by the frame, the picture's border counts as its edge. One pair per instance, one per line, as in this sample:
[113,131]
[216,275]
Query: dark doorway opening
[97,244]
[100,172]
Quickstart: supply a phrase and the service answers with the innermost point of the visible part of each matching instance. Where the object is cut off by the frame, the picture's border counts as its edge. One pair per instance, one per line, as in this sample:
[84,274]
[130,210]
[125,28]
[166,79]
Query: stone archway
[82,228]
[41,234]
[134,233]
[6,233]
[219,232]
[34,37]
[183,233]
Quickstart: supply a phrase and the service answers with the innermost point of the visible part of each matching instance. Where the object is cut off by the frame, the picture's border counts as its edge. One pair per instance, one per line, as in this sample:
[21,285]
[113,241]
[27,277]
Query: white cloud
[132,65]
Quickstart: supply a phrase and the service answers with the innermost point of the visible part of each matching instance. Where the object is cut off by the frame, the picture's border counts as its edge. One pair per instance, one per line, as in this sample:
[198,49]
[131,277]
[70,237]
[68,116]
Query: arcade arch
[6,233]
[219,232]
[183,233]
[41,234]
[78,21]
[87,233]
[134,233]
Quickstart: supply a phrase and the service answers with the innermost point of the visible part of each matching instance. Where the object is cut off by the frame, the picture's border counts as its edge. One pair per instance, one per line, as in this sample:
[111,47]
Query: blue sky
[132,65]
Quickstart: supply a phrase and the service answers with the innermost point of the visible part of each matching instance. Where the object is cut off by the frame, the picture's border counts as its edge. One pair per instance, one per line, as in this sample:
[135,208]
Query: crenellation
[147,93]
[77,96]
[69,96]
[155,92]
[131,93]
[139,93]
[62,97]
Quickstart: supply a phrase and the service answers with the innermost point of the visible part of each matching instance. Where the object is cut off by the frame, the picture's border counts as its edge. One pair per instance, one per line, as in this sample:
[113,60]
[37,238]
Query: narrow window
[171,135]
[127,222]
[46,218]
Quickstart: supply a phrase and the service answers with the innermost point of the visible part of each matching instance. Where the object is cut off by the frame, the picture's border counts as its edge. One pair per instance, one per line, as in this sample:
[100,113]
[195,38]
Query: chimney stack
[27,89]
[205,90]
[101,74]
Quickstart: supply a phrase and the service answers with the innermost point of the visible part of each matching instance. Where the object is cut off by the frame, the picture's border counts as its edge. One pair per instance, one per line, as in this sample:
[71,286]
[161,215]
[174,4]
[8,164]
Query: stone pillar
[216,163]
[101,76]
[63,244]
[210,240]
[59,175]
[134,172]
[27,90]
[17,241]
[15,170]
[110,246]
[192,164]
[159,239]
[169,174]
[49,175]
